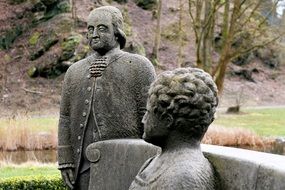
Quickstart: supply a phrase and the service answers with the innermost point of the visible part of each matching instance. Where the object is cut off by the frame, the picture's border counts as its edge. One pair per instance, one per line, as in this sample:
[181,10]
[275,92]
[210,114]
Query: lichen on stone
[69,45]
[34,38]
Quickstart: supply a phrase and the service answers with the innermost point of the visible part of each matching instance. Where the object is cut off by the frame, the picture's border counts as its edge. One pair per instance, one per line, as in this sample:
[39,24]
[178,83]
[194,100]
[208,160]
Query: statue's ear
[167,119]
[121,37]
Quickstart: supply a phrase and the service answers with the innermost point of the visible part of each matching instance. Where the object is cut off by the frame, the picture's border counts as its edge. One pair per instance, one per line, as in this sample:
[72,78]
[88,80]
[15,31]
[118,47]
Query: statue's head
[183,100]
[105,29]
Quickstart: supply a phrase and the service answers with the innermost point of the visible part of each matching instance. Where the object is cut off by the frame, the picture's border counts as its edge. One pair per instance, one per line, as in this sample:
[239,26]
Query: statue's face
[101,34]
[155,129]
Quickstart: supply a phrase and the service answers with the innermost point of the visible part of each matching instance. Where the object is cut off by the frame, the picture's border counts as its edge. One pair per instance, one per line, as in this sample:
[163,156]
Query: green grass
[13,171]
[265,122]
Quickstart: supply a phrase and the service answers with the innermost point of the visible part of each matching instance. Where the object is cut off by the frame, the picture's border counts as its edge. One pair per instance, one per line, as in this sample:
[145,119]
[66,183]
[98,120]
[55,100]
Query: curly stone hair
[189,95]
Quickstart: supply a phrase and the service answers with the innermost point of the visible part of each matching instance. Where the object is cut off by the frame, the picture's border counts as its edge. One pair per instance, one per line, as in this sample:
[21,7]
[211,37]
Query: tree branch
[32,91]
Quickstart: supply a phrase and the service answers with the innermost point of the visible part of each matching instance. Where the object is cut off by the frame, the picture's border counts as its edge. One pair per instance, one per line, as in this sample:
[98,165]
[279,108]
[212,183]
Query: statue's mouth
[95,41]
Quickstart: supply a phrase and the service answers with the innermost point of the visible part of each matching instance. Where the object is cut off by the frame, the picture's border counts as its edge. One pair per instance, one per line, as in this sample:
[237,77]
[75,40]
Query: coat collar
[110,57]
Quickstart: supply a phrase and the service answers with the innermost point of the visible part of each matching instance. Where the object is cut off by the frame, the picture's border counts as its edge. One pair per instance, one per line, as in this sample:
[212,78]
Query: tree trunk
[221,73]
[225,27]
[180,39]
[198,26]
[73,12]
[226,51]
[207,36]
[155,50]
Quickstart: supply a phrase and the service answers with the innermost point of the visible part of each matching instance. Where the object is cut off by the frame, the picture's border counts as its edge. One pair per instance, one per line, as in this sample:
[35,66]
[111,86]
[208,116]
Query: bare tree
[155,51]
[202,14]
[241,26]
[73,9]
[180,37]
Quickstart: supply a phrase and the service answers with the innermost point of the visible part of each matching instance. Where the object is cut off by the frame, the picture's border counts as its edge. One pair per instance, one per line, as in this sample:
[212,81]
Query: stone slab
[115,163]
[240,169]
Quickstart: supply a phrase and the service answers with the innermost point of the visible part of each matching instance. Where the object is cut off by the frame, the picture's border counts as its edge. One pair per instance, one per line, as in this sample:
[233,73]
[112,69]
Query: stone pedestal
[115,163]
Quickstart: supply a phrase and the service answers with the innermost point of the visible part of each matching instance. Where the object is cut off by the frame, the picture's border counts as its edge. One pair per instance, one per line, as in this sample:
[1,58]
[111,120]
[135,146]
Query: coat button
[88,76]
[86,102]
[89,89]
[81,125]
[84,114]
[78,151]
[79,138]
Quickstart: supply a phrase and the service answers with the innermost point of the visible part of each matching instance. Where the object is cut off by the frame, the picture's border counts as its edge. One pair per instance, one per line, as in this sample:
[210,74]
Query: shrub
[146,4]
[32,183]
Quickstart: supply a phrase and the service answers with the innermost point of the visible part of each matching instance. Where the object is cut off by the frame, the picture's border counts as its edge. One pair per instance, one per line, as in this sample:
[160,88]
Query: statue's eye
[102,28]
[90,30]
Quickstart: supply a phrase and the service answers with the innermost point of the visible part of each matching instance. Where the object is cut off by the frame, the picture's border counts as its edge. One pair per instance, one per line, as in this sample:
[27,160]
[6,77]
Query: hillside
[39,39]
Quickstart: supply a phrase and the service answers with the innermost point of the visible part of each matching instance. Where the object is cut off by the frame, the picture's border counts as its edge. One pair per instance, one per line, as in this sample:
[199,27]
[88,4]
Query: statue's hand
[68,177]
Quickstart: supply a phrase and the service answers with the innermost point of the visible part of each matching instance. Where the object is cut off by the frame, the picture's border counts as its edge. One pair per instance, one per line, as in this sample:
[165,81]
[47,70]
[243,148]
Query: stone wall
[237,169]
[241,169]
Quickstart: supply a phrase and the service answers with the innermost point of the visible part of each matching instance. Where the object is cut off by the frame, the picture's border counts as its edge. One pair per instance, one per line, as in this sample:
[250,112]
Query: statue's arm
[65,154]
[145,76]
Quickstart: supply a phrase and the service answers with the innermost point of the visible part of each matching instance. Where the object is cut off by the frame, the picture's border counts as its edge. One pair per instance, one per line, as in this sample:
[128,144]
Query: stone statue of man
[103,96]
[180,107]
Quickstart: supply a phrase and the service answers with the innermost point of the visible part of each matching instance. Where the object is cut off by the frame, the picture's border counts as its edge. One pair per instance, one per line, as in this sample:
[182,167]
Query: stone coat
[119,103]
[182,169]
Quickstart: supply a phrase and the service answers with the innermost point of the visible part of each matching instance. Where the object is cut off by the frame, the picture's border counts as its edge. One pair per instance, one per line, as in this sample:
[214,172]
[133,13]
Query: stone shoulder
[76,70]
[77,65]
[139,60]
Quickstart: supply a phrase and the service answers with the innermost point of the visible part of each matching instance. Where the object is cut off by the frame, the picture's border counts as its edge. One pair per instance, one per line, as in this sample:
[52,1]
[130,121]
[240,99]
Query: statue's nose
[144,118]
[95,34]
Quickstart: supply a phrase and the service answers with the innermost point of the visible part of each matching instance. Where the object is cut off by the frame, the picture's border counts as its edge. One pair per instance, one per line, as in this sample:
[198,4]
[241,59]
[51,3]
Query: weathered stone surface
[38,6]
[115,163]
[7,38]
[103,97]
[269,56]
[63,6]
[33,72]
[240,169]
[245,73]
[270,178]
[69,45]
[180,107]
[48,2]
[40,43]
[34,38]
[243,59]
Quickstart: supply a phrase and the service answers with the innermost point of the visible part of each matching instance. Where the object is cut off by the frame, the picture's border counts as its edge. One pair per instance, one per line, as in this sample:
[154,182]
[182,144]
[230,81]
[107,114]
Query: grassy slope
[265,122]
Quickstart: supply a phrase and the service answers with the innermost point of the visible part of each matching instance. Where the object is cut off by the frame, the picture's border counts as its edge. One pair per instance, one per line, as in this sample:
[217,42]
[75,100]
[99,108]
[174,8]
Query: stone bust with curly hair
[181,105]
